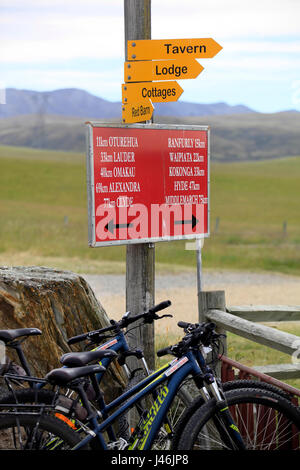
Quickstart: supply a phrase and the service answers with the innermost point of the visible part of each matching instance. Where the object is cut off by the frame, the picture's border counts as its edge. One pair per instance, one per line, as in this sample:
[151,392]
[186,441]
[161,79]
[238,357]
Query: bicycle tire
[273,423]
[227,386]
[247,383]
[35,432]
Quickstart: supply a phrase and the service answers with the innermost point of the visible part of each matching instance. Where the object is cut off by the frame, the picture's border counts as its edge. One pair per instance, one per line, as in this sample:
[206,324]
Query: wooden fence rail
[284,342]
[266,313]
[244,321]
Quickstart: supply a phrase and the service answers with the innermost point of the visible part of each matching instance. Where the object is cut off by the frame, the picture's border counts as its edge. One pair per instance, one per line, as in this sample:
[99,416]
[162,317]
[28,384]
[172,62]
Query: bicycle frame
[173,374]
[163,384]
[119,344]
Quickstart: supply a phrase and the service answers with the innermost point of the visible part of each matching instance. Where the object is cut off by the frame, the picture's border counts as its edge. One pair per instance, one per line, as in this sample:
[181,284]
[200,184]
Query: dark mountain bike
[189,360]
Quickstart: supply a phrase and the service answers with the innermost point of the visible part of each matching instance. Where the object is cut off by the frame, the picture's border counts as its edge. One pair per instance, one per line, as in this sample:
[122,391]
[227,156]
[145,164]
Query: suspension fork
[224,422]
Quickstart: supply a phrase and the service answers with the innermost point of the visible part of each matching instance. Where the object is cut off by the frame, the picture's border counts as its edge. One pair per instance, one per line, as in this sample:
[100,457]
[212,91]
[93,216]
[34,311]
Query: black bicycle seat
[79,359]
[64,375]
[9,335]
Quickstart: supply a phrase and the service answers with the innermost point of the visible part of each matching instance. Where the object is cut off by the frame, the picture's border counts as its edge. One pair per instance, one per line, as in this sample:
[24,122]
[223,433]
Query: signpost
[147,183]
[153,64]
[157,92]
[172,49]
[137,111]
[180,69]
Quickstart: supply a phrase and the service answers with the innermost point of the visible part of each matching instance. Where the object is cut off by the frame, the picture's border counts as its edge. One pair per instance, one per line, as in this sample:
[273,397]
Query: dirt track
[241,288]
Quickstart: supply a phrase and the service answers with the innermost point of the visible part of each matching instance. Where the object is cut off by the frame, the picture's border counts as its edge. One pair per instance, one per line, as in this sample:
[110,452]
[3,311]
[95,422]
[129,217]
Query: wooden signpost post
[140,168]
[140,258]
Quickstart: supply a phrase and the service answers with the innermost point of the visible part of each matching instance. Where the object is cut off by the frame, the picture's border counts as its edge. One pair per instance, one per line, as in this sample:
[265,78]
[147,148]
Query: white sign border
[90,183]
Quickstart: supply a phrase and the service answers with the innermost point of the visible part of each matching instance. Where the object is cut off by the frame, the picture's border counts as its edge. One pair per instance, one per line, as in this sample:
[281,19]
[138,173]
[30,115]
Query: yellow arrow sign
[137,112]
[161,70]
[157,92]
[150,49]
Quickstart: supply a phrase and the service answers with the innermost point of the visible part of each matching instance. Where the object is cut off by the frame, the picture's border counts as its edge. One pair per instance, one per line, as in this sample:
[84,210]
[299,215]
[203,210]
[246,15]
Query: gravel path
[115,284]
[241,288]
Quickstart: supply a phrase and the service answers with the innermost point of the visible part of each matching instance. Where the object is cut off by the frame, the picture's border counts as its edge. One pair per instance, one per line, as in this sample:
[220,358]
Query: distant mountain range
[79,103]
[55,120]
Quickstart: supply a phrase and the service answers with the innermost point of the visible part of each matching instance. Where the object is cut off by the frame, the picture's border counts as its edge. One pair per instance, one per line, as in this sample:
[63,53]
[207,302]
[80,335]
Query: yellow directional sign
[161,70]
[157,92]
[151,49]
[137,112]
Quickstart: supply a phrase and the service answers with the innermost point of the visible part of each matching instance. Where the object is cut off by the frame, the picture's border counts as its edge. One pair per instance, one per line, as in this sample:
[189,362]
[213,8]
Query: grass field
[43,216]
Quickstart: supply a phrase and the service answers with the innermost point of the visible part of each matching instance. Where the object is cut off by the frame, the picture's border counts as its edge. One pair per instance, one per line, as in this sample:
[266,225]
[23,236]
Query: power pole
[140,258]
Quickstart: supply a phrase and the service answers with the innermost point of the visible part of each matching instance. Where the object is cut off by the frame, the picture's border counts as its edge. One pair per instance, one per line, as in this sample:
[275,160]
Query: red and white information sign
[147,183]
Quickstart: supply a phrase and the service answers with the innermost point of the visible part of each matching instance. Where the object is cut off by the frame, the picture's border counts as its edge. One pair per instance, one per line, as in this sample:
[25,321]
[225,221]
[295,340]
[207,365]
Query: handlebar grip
[76,339]
[161,306]
[163,352]
[183,324]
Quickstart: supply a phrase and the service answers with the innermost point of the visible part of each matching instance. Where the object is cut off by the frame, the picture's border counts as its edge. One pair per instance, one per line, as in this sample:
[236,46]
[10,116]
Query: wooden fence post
[212,300]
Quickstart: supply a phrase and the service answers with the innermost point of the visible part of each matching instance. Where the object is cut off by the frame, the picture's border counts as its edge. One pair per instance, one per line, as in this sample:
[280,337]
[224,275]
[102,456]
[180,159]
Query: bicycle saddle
[79,359]
[63,376]
[9,335]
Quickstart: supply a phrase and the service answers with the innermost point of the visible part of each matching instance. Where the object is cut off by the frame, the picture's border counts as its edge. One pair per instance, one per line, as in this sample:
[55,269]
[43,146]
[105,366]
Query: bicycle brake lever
[156,317]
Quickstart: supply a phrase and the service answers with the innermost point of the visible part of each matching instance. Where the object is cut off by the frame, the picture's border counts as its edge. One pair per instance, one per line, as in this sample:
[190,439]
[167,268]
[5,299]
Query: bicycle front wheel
[35,432]
[264,420]
[227,386]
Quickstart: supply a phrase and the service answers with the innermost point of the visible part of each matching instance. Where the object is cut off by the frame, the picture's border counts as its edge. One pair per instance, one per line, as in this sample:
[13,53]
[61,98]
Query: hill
[79,103]
[238,137]
[251,136]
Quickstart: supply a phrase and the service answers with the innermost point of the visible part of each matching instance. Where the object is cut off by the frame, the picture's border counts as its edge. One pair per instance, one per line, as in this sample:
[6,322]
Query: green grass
[43,215]
[253,354]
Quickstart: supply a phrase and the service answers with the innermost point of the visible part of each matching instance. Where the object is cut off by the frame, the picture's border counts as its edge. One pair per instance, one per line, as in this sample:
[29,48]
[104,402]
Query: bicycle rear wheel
[35,432]
[265,421]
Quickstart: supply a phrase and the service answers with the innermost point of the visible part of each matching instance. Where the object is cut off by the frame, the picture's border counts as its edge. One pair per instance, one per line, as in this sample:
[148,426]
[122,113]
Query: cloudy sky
[52,44]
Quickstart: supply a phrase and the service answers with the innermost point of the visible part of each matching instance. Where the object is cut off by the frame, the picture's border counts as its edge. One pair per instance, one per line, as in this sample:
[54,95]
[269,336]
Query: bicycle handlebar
[164,351]
[164,304]
[148,317]
[203,333]
[184,325]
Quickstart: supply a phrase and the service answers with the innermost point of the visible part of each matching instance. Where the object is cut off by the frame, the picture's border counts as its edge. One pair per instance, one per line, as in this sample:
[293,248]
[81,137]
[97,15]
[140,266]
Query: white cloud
[32,30]
[223,19]
[261,47]
[48,44]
